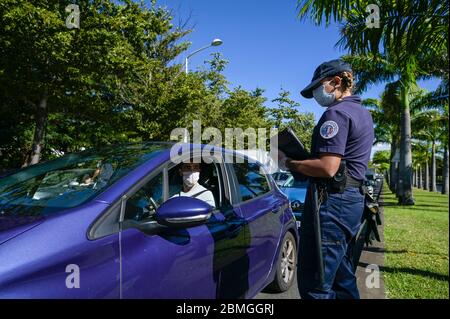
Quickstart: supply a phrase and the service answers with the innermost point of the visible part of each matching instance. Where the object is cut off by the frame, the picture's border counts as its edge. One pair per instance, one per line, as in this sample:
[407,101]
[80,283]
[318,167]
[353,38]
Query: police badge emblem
[329,129]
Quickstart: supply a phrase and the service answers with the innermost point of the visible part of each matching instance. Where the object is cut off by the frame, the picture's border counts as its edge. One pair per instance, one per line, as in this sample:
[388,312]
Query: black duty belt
[351,182]
[325,184]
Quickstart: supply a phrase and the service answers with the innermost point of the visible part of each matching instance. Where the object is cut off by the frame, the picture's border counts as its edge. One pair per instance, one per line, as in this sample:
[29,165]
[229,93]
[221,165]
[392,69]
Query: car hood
[11,227]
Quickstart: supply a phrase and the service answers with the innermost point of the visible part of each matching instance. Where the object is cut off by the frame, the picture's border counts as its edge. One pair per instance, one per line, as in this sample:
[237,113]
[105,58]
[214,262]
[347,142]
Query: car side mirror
[183,212]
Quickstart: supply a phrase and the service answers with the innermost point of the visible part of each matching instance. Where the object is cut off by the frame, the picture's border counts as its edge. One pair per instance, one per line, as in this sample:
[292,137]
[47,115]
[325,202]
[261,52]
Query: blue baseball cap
[326,69]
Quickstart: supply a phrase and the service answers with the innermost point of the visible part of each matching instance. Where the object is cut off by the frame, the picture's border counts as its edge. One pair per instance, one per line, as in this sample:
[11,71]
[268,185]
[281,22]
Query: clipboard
[290,145]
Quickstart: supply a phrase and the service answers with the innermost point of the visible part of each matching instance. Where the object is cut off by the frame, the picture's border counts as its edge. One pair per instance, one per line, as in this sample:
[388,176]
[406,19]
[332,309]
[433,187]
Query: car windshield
[70,180]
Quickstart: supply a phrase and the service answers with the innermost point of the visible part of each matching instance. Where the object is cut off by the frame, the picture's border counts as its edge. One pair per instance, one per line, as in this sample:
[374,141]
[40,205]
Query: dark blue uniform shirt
[346,128]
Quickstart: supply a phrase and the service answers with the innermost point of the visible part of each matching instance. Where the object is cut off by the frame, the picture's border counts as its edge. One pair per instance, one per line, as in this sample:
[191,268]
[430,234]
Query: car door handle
[275,209]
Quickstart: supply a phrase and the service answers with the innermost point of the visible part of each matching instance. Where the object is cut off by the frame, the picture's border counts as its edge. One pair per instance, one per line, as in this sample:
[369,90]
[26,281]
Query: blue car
[105,224]
[281,177]
[295,190]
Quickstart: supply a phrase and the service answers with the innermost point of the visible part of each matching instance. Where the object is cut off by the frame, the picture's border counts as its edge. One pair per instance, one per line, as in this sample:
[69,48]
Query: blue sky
[265,44]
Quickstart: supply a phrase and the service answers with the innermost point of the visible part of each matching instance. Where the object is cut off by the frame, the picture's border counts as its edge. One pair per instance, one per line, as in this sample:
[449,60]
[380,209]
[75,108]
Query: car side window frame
[118,207]
[147,179]
[237,193]
[224,191]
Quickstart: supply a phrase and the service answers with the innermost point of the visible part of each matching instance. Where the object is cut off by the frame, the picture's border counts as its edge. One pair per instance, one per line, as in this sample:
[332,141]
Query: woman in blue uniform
[343,133]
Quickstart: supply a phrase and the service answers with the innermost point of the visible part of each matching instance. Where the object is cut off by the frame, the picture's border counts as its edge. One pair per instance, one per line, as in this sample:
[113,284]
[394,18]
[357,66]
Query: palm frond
[328,10]
[406,28]
[437,99]
[370,69]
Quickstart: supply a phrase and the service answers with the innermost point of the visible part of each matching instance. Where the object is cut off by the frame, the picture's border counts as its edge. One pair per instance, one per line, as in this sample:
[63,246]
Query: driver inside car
[100,177]
[190,173]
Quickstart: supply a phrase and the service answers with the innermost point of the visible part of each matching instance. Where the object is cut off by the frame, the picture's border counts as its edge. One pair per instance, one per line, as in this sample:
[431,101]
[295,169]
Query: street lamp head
[216,42]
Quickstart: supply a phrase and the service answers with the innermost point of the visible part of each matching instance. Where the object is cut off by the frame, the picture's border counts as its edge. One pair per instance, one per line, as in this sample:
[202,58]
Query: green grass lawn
[416,243]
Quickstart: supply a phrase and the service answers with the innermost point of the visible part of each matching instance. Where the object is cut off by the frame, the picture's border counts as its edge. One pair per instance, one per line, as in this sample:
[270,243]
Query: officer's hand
[282,159]
[291,164]
[292,167]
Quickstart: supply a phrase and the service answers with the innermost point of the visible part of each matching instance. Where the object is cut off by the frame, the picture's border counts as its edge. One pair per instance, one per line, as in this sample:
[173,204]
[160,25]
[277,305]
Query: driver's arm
[210,199]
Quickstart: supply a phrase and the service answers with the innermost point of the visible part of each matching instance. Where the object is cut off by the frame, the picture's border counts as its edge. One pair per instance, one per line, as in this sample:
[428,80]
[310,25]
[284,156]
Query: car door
[190,262]
[261,207]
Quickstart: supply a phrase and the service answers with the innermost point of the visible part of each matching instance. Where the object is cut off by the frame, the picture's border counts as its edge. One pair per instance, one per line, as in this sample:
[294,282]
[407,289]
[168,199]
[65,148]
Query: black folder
[290,145]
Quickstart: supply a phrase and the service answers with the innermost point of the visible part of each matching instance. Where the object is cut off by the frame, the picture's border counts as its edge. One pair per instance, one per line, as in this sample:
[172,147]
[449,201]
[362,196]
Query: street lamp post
[214,43]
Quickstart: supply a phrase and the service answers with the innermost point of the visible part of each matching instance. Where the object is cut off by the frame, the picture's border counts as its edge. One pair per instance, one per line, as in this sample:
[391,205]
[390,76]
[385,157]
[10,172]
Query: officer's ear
[337,82]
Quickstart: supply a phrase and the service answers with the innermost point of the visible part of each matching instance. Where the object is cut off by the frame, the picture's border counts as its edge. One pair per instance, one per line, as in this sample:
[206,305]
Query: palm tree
[382,160]
[445,168]
[402,23]
[420,157]
[411,36]
[433,125]
[428,126]
[386,118]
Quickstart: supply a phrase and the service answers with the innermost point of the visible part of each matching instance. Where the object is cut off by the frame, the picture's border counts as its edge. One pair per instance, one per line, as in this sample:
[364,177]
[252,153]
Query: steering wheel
[152,205]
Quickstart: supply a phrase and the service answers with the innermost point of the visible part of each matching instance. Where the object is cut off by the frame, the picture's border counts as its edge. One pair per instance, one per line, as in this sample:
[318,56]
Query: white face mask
[190,178]
[323,97]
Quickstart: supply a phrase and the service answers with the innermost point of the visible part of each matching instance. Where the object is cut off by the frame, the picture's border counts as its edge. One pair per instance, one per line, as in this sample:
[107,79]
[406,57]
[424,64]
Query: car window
[70,180]
[252,180]
[295,183]
[209,180]
[289,182]
[281,178]
[143,204]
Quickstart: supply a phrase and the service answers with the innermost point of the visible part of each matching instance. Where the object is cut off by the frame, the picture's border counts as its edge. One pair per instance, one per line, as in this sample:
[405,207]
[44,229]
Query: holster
[337,183]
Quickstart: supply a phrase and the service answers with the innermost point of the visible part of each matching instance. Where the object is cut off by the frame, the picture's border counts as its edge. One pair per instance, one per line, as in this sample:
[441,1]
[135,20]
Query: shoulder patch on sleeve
[329,129]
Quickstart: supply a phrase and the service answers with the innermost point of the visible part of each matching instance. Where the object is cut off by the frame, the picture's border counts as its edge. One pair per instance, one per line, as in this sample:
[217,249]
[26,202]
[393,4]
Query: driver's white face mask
[190,178]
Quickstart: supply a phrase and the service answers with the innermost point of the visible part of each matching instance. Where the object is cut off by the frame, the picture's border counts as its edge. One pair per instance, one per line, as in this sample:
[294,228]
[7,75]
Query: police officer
[344,134]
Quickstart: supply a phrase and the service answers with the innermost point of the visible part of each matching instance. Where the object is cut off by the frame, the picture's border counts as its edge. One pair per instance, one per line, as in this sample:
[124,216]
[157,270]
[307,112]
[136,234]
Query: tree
[287,114]
[229,108]
[429,128]
[110,81]
[402,23]
[387,129]
[432,125]
[421,156]
[76,78]
[214,77]
[382,160]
